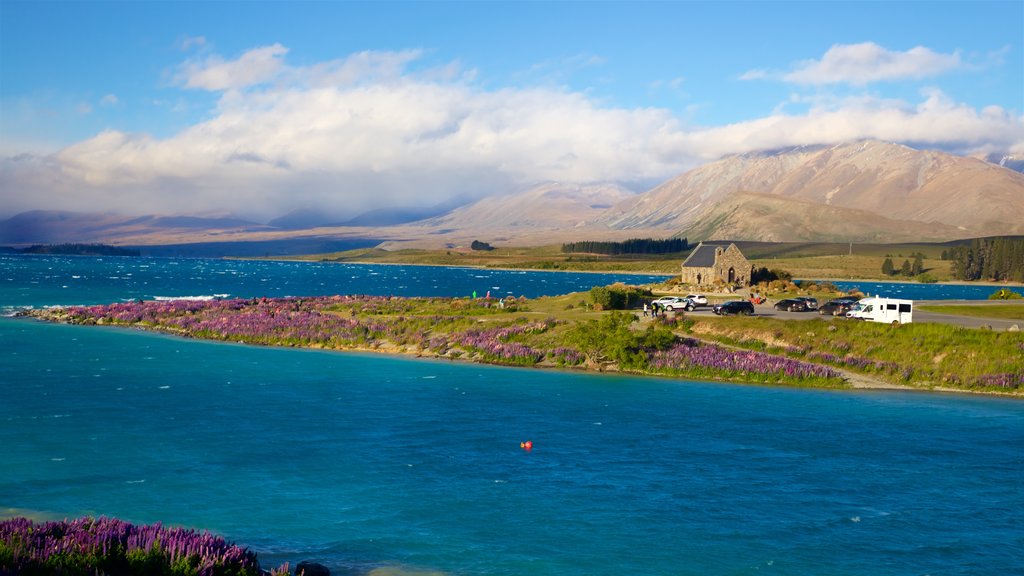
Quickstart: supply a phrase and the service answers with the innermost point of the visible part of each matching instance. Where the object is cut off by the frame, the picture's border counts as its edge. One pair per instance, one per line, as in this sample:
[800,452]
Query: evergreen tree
[905,269]
[918,266]
[1000,258]
[887,268]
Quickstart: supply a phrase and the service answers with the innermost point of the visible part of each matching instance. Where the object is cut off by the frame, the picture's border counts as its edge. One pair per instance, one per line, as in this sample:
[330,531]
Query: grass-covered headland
[567,332]
[89,547]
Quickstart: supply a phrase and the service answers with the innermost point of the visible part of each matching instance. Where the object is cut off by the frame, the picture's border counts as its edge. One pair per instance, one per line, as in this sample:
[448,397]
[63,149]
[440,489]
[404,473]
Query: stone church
[712,262]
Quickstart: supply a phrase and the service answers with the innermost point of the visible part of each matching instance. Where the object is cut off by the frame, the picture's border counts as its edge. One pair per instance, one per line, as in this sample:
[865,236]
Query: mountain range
[866,191]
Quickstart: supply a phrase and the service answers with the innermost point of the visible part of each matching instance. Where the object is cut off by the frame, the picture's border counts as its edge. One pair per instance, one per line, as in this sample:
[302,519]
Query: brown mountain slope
[768,218]
[893,181]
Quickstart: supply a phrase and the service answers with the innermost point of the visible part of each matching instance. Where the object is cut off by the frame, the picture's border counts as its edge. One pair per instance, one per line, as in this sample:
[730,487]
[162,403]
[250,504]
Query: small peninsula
[568,332]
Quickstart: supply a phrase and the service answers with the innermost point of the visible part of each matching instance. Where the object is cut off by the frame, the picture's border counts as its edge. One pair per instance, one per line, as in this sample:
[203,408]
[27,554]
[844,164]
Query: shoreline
[851,380]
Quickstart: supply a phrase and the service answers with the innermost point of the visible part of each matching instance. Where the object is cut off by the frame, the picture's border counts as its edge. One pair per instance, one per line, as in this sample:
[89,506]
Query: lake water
[368,463]
[917,291]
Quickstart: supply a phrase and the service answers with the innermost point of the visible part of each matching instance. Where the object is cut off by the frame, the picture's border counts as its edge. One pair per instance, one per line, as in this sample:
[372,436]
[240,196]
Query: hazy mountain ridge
[63,226]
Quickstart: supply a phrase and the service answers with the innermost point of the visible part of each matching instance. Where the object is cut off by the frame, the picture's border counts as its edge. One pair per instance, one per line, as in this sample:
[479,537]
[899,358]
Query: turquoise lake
[365,462]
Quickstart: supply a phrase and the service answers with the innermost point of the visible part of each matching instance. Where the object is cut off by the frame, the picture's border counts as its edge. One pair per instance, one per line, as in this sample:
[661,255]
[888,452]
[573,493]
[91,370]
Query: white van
[887,310]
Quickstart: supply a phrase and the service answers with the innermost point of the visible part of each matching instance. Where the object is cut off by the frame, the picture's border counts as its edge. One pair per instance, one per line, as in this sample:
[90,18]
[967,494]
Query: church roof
[703,256]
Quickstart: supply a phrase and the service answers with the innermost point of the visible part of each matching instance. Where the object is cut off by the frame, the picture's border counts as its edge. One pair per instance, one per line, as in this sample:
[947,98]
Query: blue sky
[256,108]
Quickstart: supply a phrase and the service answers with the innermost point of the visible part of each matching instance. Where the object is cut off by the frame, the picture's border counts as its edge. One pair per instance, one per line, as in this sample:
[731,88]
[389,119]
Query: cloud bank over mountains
[375,129]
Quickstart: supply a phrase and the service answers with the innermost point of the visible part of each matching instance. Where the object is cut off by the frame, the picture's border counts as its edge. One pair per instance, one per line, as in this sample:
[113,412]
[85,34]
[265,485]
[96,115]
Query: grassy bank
[921,355]
[987,310]
[567,332]
[524,258]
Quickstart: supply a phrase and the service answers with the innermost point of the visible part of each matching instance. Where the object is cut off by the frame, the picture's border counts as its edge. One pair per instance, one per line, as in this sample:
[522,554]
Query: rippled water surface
[369,462]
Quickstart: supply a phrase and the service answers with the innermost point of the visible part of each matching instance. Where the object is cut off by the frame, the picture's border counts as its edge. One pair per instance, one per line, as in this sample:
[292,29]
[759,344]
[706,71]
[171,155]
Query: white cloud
[936,121]
[365,132]
[867,62]
[109,100]
[254,67]
[188,42]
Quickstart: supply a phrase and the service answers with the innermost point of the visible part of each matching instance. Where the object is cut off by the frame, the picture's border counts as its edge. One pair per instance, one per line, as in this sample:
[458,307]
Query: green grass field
[995,311]
[802,260]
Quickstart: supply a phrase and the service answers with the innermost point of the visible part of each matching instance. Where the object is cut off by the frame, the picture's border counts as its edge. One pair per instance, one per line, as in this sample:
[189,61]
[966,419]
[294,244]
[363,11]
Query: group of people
[654,310]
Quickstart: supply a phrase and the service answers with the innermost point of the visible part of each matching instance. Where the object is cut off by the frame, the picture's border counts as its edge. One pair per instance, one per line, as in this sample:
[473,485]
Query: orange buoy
[528,445]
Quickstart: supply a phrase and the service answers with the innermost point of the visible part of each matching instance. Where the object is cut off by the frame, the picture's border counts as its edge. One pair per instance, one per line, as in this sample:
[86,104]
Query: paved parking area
[766,311]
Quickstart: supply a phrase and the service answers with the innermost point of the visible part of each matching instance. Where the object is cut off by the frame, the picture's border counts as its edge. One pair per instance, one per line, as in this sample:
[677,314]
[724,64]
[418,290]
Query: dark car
[740,307]
[812,303]
[837,307]
[791,305]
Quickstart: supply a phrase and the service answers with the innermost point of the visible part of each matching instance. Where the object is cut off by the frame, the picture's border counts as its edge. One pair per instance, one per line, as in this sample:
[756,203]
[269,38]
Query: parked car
[738,307]
[697,299]
[672,303]
[791,305]
[837,306]
[812,303]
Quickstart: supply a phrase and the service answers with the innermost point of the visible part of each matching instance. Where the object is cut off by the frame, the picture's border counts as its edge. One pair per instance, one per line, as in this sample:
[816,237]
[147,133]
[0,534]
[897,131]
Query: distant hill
[550,206]
[1012,161]
[53,226]
[861,191]
[302,218]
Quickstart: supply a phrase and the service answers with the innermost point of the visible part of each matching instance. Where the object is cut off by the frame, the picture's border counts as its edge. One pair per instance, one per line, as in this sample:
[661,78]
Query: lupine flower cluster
[328,321]
[690,356]
[88,546]
[494,346]
[1008,380]
[564,356]
[856,362]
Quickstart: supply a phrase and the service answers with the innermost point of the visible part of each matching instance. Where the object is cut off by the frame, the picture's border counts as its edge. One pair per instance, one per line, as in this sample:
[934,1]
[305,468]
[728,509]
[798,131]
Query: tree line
[998,259]
[80,250]
[907,269]
[631,246]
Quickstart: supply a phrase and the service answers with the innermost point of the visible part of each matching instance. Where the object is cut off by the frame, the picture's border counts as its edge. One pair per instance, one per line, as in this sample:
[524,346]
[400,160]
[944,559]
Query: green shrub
[618,296]
[1005,294]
